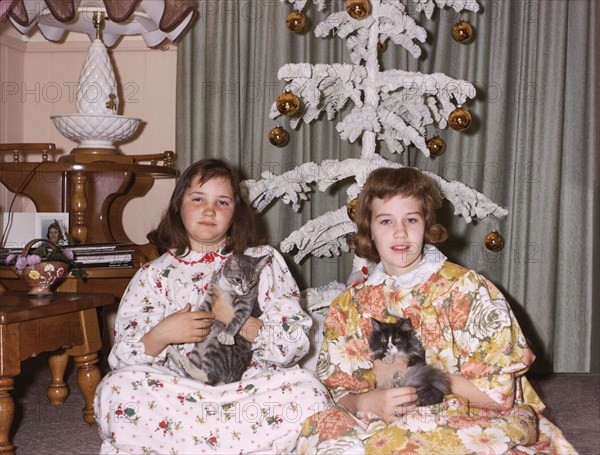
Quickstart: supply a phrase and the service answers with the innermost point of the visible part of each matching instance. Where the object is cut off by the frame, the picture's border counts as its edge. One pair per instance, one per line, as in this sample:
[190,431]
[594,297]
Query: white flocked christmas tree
[393,107]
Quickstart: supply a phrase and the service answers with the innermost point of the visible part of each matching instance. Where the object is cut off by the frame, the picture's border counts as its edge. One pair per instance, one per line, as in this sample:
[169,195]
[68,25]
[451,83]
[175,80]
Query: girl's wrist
[152,346]
[251,328]
[350,403]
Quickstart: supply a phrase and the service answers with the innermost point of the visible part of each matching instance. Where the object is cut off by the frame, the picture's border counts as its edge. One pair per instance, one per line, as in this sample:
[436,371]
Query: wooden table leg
[58,391]
[88,378]
[7,413]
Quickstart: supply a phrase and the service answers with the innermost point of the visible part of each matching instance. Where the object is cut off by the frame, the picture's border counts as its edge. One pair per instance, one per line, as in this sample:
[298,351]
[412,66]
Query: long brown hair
[171,232]
[385,183]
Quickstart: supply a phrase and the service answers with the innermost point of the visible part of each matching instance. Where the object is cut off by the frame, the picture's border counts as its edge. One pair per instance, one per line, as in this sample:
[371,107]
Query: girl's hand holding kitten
[224,313]
[183,326]
[389,404]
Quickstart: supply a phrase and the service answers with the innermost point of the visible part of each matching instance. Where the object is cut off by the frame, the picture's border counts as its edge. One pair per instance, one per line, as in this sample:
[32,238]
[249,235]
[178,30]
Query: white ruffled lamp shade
[96,126]
[154,20]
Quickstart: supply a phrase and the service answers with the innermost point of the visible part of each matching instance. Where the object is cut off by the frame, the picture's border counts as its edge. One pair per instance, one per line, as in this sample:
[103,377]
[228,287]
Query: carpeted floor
[573,403]
[42,429]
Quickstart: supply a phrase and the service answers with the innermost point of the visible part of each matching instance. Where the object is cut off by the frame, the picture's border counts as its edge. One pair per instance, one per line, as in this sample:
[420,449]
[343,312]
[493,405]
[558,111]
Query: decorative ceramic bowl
[40,277]
[96,131]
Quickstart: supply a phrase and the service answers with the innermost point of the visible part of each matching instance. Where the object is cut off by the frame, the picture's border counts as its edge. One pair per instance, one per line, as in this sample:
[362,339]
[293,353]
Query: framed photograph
[53,226]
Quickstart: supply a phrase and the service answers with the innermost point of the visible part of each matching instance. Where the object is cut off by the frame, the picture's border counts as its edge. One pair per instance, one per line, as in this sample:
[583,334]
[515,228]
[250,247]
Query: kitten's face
[389,339]
[241,283]
[242,272]
[394,339]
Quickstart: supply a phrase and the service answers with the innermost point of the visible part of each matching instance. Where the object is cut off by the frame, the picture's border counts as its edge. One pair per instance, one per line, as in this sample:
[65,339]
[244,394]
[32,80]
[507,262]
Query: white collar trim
[431,262]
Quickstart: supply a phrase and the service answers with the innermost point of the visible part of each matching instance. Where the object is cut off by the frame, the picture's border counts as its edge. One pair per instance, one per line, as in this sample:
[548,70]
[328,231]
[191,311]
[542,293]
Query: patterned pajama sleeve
[283,339]
[341,331]
[493,349]
[141,308]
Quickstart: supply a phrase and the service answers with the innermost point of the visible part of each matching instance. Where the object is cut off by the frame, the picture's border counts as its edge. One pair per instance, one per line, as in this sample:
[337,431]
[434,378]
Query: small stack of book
[91,255]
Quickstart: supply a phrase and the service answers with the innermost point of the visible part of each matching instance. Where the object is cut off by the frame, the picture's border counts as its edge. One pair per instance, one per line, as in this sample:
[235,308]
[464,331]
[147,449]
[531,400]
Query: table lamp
[97,127]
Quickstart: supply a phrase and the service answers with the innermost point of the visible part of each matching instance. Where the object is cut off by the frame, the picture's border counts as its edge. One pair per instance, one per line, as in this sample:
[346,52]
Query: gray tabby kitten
[224,356]
[389,340]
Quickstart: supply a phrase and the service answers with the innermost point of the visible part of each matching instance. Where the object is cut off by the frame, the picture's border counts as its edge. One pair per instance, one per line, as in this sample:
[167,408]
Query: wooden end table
[65,324]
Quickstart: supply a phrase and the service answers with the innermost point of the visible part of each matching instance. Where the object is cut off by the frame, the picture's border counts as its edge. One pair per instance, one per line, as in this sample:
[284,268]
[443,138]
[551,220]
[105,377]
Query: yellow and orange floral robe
[466,328]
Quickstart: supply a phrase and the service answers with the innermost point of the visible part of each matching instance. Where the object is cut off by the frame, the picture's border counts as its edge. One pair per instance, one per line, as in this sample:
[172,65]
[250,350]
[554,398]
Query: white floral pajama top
[144,405]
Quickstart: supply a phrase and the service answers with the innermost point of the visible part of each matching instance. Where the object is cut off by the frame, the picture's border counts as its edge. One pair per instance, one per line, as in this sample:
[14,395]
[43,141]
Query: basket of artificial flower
[43,266]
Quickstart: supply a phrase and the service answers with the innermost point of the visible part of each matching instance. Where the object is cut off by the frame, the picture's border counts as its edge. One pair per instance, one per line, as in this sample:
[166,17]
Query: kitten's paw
[398,379]
[186,365]
[200,375]
[174,355]
[225,338]
[192,370]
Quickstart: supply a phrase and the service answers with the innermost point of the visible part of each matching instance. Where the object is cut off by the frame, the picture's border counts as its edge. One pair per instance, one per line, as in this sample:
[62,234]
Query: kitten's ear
[375,324]
[262,261]
[233,259]
[406,325]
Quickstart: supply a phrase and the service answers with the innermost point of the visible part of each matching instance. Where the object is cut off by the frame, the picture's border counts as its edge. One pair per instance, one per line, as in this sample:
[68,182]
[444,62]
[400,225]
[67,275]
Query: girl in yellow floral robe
[464,323]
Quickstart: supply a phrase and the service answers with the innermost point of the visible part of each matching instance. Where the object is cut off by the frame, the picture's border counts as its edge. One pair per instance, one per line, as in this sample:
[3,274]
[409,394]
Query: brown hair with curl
[385,183]
[171,232]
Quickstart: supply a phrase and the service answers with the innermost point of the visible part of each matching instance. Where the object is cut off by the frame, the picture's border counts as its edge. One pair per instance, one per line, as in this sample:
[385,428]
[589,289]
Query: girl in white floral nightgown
[145,404]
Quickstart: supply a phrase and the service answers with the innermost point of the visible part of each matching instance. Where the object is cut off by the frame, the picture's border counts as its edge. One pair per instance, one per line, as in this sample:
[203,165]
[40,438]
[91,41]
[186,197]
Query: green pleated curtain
[532,148]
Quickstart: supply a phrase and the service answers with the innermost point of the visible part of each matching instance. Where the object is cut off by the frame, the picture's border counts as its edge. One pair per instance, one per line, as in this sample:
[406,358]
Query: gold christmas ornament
[462,32]
[494,241]
[460,119]
[358,9]
[352,208]
[436,146]
[381,47]
[279,137]
[288,104]
[295,21]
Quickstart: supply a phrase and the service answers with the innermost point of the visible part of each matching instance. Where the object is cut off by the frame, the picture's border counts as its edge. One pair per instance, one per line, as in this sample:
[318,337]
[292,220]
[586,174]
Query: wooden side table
[65,324]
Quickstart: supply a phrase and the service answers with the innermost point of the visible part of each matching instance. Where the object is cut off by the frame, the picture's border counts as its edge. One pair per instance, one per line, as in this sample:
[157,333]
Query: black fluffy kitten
[389,340]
